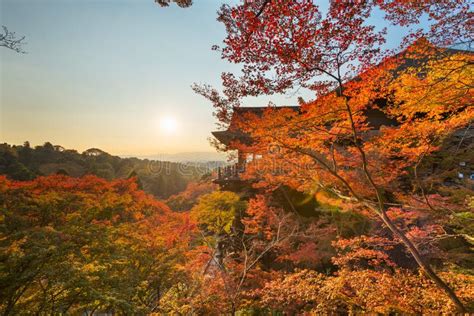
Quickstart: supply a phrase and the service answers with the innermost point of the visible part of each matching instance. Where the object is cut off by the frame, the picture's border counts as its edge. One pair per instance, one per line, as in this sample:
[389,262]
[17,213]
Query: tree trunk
[421,262]
[387,221]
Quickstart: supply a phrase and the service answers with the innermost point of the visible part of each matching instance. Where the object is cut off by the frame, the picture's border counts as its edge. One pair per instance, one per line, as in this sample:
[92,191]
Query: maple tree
[185,200]
[332,142]
[216,211]
[259,231]
[362,291]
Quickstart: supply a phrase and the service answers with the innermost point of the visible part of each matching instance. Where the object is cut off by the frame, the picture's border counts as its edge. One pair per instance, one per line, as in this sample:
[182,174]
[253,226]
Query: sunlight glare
[168,124]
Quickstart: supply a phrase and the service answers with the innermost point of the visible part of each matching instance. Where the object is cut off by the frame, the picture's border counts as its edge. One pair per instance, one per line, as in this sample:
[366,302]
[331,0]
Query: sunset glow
[169,124]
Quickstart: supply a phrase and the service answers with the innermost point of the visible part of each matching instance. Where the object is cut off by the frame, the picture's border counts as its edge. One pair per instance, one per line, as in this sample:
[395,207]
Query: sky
[113,74]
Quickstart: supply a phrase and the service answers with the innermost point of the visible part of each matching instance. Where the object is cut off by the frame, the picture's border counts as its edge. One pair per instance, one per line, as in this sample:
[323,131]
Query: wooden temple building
[233,135]
[375,118]
[229,176]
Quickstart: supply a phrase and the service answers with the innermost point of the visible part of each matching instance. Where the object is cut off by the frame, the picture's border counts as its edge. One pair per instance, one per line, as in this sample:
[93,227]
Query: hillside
[160,178]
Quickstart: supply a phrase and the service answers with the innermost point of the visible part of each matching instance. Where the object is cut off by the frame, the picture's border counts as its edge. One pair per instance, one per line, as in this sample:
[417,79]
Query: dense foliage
[160,178]
[185,200]
[379,119]
[355,204]
[76,245]
[73,245]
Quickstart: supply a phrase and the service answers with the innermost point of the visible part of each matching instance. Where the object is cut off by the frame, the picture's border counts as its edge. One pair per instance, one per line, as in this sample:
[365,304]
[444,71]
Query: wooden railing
[228,173]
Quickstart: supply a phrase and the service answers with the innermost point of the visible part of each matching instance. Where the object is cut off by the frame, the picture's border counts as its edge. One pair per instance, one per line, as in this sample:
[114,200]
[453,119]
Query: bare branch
[180,3]
[10,40]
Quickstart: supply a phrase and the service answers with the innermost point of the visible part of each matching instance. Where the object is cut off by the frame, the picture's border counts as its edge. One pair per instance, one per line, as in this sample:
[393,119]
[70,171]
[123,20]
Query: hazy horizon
[210,155]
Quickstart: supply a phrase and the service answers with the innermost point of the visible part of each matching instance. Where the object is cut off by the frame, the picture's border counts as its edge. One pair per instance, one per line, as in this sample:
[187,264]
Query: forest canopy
[160,178]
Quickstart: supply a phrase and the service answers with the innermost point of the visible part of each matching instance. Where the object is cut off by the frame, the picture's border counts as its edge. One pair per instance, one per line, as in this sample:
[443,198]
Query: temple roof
[233,134]
[375,117]
[227,137]
[259,109]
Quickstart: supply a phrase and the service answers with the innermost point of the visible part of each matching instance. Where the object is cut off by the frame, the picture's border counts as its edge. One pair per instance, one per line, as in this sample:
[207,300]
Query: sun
[168,124]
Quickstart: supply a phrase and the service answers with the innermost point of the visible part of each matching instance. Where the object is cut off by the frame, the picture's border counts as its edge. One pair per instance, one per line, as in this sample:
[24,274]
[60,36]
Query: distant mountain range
[200,156]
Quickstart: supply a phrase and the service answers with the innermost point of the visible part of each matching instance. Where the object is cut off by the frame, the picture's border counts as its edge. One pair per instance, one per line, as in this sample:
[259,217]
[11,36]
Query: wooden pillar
[241,159]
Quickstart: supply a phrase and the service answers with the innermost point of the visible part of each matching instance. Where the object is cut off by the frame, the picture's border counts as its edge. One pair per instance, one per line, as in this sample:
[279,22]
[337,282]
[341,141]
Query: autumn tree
[84,245]
[185,200]
[215,214]
[256,233]
[264,230]
[286,45]
[360,292]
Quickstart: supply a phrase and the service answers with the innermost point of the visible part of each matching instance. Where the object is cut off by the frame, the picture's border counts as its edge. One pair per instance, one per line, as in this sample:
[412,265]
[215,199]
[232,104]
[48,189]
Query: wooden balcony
[228,174]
